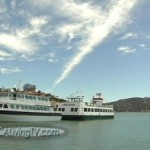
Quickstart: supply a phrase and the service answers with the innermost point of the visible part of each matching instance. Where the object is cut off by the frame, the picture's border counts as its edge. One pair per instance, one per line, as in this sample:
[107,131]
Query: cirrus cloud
[96,28]
[8,70]
[126,49]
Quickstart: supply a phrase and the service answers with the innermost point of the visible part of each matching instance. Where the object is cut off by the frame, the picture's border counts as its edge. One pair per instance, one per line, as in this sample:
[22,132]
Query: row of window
[97,110]
[61,109]
[87,110]
[25,107]
[74,109]
[71,109]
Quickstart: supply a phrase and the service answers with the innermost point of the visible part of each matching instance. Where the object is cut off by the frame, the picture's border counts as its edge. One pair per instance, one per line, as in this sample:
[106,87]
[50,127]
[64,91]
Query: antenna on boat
[18,85]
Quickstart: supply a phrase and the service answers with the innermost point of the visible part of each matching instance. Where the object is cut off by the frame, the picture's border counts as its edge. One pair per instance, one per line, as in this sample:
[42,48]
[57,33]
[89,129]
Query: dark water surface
[128,131]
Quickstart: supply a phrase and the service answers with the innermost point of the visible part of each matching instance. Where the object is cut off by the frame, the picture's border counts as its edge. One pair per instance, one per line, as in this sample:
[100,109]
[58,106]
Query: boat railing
[108,106]
[75,99]
[104,106]
[19,96]
[4,94]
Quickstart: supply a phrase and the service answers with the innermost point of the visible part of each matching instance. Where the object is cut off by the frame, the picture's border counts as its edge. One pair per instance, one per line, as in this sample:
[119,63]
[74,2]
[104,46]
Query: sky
[76,47]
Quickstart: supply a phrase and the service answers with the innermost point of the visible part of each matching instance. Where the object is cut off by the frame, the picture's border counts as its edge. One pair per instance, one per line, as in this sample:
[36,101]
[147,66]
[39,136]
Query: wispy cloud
[96,26]
[24,36]
[31,30]
[129,35]
[142,45]
[8,70]
[16,43]
[5,56]
[52,57]
[126,49]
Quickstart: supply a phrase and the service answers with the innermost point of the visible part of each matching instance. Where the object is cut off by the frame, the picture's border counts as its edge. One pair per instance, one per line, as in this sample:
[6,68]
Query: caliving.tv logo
[28,132]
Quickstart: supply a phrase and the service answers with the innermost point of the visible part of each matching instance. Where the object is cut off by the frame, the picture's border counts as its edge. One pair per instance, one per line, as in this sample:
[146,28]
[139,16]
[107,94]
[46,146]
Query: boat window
[19,96]
[59,109]
[22,106]
[30,97]
[5,106]
[72,109]
[17,106]
[14,96]
[101,110]
[45,109]
[34,108]
[26,96]
[30,107]
[11,95]
[34,97]
[41,108]
[46,99]
[26,107]
[89,110]
[4,94]
[22,96]
[63,109]
[39,98]
[92,109]
[1,105]
[76,109]
[48,108]
[38,108]
[85,109]
[12,106]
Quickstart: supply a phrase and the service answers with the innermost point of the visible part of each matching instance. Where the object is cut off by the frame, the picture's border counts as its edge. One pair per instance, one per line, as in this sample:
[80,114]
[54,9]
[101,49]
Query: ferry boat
[26,106]
[76,109]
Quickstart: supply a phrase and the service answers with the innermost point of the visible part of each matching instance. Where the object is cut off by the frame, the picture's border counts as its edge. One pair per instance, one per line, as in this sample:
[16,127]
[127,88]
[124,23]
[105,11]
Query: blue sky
[65,46]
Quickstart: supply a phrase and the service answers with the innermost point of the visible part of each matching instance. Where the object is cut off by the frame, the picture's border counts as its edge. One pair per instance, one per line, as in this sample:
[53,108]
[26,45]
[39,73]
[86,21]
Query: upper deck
[77,100]
[22,96]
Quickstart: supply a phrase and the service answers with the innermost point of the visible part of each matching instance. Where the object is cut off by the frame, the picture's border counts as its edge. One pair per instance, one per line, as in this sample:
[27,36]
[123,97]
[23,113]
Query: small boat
[26,106]
[76,109]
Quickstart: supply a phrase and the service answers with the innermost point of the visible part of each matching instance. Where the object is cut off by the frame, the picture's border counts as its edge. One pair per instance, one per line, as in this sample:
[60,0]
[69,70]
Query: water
[128,131]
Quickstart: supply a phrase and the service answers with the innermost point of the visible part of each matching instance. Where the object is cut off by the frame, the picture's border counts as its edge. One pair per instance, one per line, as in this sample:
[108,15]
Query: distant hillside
[56,99]
[134,104]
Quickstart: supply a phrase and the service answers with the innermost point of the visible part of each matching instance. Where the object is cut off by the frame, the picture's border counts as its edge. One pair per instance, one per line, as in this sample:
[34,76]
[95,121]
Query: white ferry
[22,106]
[76,109]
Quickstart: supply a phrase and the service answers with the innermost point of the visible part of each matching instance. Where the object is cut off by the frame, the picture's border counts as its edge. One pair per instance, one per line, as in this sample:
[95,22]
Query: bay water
[127,131]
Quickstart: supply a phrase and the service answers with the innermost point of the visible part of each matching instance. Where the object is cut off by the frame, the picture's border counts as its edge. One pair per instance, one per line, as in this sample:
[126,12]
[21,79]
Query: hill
[56,99]
[135,104]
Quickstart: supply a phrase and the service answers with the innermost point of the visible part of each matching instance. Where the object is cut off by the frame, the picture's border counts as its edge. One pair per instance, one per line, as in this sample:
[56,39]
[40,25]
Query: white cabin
[76,109]
[17,106]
